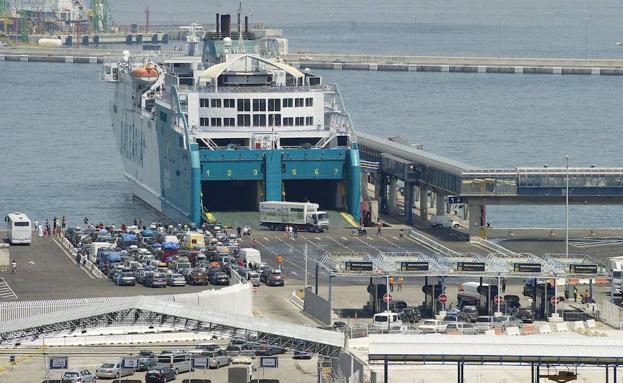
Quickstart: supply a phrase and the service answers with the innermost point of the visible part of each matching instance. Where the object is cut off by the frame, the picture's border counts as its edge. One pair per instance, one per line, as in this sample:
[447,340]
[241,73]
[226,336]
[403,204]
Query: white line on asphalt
[341,244]
[393,244]
[318,238]
[265,239]
[294,273]
[284,258]
[367,244]
[70,256]
[344,238]
[5,291]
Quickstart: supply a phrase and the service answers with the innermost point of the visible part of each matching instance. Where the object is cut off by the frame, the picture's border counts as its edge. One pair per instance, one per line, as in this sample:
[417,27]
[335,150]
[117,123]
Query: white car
[432,326]
[113,370]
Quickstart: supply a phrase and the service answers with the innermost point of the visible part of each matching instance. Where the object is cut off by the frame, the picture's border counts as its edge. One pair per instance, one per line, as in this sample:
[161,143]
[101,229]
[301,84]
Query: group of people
[291,232]
[47,230]
[585,297]
[398,281]
[243,231]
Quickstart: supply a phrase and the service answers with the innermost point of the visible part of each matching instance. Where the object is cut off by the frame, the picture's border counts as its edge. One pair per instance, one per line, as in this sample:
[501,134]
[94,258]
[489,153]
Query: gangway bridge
[430,178]
[151,311]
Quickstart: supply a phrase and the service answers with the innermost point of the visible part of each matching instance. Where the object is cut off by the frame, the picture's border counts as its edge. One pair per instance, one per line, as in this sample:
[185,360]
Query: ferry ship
[221,127]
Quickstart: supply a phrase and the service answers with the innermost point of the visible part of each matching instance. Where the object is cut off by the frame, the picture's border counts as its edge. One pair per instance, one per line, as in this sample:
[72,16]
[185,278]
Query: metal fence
[611,314]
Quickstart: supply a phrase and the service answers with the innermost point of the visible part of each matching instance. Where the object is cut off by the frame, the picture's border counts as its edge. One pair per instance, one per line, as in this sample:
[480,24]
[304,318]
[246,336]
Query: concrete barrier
[562,327]
[545,329]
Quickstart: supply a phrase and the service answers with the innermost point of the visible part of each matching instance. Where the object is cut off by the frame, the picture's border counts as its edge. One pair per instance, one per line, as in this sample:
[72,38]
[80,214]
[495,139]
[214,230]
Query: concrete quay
[505,65]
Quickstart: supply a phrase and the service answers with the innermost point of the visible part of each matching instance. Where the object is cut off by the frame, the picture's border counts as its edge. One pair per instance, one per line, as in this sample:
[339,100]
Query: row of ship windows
[257,119]
[259,104]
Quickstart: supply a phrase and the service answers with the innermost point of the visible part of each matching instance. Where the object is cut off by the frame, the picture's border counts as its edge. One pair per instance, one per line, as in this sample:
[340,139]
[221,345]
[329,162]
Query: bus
[18,228]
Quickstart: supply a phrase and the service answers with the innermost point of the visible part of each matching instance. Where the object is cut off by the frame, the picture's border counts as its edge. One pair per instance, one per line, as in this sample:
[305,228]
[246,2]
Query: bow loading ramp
[145,311]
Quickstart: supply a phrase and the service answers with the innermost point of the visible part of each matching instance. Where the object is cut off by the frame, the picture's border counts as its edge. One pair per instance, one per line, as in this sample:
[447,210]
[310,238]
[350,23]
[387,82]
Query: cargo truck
[276,215]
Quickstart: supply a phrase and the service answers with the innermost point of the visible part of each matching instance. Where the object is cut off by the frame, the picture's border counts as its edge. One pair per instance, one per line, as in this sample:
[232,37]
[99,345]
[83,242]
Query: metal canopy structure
[151,311]
[510,265]
[476,349]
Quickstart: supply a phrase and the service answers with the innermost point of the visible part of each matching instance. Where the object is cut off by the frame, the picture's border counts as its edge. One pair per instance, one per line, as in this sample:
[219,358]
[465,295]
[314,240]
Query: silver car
[253,277]
[217,358]
[78,375]
[506,321]
[113,370]
[176,280]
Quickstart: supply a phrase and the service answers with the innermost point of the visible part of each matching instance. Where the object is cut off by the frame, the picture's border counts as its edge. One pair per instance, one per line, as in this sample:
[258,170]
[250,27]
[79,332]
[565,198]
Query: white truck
[276,215]
[443,221]
[616,265]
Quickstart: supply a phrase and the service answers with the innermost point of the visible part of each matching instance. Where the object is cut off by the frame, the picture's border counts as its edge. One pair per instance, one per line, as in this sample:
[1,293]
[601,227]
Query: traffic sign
[443,298]
[387,298]
[498,299]
[555,300]
[455,199]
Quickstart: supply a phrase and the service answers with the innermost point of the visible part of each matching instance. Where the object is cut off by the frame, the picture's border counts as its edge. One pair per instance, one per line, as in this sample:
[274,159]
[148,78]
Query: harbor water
[59,156]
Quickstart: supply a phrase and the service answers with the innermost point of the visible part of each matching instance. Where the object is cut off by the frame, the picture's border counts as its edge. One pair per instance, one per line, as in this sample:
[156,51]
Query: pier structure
[432,181]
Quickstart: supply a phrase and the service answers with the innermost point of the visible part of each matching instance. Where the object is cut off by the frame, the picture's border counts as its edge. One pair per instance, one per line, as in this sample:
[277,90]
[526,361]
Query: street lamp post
[499,32]
[567,208]
[586,20]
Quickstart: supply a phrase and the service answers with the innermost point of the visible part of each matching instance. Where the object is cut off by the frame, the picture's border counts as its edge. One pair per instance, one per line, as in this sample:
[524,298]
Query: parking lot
[29,369]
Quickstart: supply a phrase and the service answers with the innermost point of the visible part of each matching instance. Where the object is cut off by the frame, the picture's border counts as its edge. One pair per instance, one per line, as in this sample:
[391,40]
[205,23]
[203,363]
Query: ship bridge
[431,179]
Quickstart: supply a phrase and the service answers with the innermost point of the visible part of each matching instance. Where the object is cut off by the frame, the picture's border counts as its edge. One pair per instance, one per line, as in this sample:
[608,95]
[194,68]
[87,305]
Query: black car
[525,314]
[471,312]
[160,375]
[219,278]
[410,314]
[275,278]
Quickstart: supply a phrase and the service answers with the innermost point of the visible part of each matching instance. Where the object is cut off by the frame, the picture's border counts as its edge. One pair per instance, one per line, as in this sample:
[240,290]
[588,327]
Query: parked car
[113,370]
[432,326]
[241,350]
[160,375]
[410,315]
[78,376]
[458,317]
[525,314]
[264,273]
[155,280]
[146,363]
[125,278]
[275,278]
[484,323]
[197,277]
[176,280]
[471,312]
[267,350]
[203,348]
[397,305]
[505,321]
[463,328]
[219,278]
[217,358]
[301,355]
[177,361]
[253,277]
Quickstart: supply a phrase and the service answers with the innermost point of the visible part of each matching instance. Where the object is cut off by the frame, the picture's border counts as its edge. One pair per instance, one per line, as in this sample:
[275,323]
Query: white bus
[18,228]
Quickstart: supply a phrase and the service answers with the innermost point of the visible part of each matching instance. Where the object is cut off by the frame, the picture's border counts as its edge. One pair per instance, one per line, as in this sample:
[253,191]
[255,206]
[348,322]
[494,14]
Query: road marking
[294,273]
[318,238]
[344,238]
[72,258]
[341,244]
[6,293]
[285,260]
[368,244]
[266,239]
[393,244]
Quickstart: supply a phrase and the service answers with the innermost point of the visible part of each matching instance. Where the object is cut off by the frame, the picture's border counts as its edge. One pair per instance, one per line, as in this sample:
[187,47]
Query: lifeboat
[145,73]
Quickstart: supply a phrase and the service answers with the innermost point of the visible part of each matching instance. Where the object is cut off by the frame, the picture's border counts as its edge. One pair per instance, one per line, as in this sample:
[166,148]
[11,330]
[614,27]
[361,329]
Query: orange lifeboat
[145,73]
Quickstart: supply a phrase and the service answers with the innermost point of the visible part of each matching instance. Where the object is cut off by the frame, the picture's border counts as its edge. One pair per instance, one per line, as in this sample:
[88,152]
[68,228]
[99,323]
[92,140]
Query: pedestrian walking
[295,232]
[36,225]
[575,293]
[254,243]
[77,259]
[239,231]
[13,267]
[400,280]
[379,226]
[391,283]
[503,285]
[63,223]
[402,233]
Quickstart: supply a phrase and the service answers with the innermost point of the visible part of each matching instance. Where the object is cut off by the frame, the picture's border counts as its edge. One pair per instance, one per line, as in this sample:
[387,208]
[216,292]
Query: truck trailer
[276,215]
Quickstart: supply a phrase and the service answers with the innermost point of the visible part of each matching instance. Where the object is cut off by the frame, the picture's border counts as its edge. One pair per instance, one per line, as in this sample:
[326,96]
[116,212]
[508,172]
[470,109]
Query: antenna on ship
[240,42]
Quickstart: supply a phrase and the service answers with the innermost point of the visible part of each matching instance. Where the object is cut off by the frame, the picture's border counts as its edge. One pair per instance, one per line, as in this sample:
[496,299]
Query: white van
[442,221]
[251,255]
[18,228]
[380,321]
[468,291]
[178,361]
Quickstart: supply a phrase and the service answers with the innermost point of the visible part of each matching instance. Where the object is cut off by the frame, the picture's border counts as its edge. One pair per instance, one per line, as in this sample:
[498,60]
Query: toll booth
[486,306]
[431,292]
[541,293]
[375,303]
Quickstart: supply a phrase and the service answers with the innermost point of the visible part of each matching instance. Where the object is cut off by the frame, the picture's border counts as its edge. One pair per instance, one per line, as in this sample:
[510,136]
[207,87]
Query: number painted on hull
[316,171]
[229,172]
[336,171]
[254,172]
[293,172]
[208,172]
